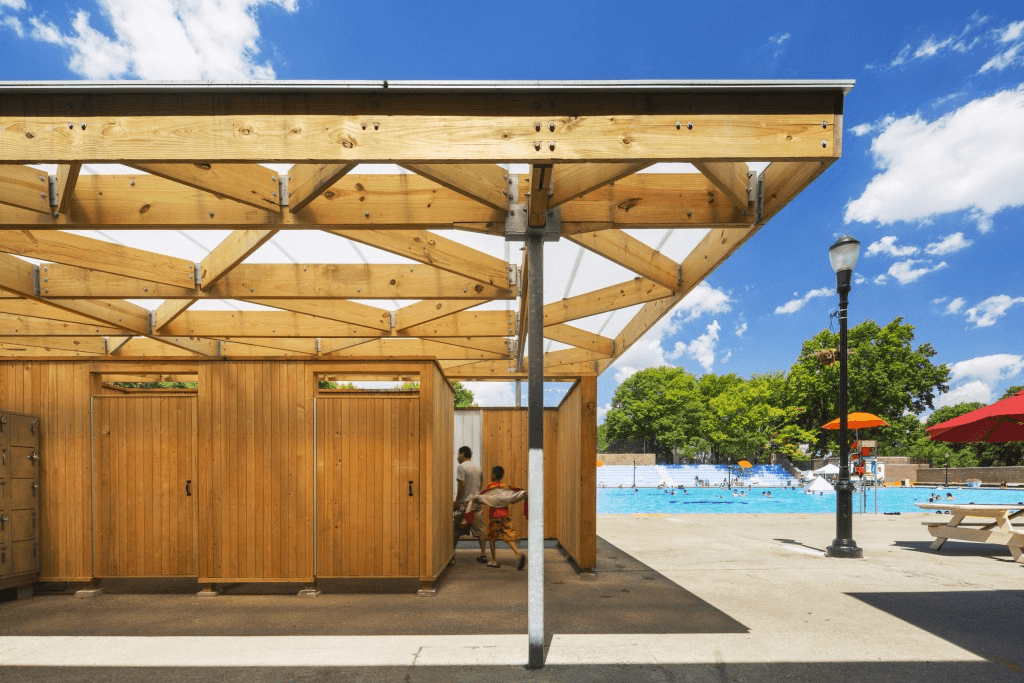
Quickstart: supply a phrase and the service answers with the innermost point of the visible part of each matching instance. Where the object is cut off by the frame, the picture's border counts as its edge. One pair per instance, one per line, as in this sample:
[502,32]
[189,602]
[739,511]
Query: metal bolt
[358,290]
[551,126]
[824,143]
[47,290]
[273,194]
[211,214]
[551,146]
[689,125]
[689,213]
[70,126]
[42,179]
[536,146]
[366,214]
[363,126]
[376,125]
[145,289]
[678,125]
[536,126]
[273,178]
[512,212]
[42,195]
[824,124]
[83,125]
[131,181]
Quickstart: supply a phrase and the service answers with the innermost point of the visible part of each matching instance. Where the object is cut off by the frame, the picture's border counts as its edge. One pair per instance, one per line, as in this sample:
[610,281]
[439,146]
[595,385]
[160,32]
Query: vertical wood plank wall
[505,441]
[59,394]
[254,478]
[570,466]
[577,473]
[255,471]
[368,449]
[438,460]
[144,450]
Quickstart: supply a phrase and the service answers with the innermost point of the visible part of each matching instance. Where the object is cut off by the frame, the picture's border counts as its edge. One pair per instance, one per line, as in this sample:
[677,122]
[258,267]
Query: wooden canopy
[101,184]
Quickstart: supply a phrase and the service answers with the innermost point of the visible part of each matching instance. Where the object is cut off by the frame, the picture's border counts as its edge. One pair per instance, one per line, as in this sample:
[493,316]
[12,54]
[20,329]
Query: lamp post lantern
[843,257]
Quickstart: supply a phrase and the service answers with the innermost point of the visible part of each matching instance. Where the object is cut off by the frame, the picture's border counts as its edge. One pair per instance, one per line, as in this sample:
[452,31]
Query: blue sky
[931,180]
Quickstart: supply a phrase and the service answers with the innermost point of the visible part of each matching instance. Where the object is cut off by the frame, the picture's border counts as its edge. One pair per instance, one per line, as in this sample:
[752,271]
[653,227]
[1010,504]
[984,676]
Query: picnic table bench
[999,531]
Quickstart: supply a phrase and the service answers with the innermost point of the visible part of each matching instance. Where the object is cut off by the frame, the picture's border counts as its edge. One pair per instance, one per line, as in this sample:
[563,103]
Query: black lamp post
[947,470]
[843,256]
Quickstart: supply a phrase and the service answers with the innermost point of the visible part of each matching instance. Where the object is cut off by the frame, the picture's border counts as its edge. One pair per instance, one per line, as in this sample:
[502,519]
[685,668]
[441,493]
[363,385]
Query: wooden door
[368,485]
[144,451]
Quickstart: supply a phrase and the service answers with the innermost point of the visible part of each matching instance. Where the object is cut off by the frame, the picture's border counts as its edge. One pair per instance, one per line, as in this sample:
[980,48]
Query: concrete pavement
[674,598]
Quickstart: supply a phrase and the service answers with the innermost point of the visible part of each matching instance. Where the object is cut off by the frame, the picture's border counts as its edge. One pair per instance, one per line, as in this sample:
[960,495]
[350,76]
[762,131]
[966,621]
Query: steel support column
[535,398]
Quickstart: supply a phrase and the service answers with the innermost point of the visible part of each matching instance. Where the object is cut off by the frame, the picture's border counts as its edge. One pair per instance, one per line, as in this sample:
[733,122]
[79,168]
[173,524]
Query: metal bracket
[758,197]
[679,275]
[513,275]
[319,346]
[517,225]
[393,316]
[36,280]
[513,189]
[282,189]
[152,321]
[54,191]
[197,275]
[513,347]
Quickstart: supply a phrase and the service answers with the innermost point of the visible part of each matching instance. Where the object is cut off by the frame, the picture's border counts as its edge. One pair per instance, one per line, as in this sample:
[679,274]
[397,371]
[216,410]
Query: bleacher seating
[621,476]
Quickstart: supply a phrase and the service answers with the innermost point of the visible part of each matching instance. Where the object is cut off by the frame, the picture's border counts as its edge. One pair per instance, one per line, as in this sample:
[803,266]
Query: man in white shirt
[470,480]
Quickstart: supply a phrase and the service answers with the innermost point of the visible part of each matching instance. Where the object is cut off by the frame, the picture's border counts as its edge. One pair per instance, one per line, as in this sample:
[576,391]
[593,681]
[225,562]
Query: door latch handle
[410,488]
[188,487]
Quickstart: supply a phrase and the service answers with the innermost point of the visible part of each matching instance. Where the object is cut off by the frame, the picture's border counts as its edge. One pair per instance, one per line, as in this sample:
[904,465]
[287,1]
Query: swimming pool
[721,501]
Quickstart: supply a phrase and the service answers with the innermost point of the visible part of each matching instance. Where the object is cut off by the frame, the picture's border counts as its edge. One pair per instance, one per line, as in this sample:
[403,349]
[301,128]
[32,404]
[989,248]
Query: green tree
[887,377]
[602,438]
[463,397]
[662,407]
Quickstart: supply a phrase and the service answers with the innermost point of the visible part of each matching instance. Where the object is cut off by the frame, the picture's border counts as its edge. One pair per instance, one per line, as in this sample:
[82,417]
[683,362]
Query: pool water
[722,501]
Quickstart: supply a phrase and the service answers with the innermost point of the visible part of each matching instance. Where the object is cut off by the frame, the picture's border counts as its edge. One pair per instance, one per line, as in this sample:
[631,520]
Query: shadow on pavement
[986,623]
[623,596]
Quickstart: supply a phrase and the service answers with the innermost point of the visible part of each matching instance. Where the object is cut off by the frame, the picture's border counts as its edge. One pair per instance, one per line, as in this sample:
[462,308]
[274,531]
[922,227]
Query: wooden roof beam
[630,253]
[383,202]
[250,184]
[18,276]
[433,249]
[485,183]
[425,311]
[567,334]
[24,187]
[67,179]
[731,177]
[339,310]
[306,182]
[425,138]
[575,180]
[86,252]
[622,295]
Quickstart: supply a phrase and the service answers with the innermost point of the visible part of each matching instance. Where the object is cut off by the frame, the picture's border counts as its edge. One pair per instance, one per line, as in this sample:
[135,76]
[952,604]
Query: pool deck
[674,598]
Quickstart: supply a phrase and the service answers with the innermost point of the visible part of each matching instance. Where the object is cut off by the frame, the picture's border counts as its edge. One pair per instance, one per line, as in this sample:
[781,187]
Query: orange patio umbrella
[744,464]
[857,421]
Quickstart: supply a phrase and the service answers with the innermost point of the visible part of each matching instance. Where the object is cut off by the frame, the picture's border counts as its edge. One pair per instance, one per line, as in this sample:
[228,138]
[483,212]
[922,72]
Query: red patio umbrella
[998,423]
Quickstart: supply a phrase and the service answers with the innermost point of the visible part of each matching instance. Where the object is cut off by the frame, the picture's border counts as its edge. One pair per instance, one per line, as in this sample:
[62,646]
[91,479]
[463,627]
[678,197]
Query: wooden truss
[197,154]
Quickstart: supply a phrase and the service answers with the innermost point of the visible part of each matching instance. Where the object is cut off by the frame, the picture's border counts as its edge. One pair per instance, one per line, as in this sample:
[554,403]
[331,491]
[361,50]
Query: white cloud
[494,394]
[602,411]
[166,40]
[701,349]
[887,246]
[794,305]
[14,24]
[939,300]
[13,4]
[647,352]
[968,392]
[859,279]
[989,311]
[779,39]
[959,162]
[704,299]
[1009,34]
[976,379]
[1004,59]
[741,328]
[948,244]
[902,56]
[931,47]
[862,129]
[882,279]
[955,306]
[905,272]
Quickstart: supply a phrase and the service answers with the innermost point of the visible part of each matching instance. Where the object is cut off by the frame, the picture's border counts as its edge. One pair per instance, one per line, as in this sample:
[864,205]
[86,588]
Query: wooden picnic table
[999,531]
